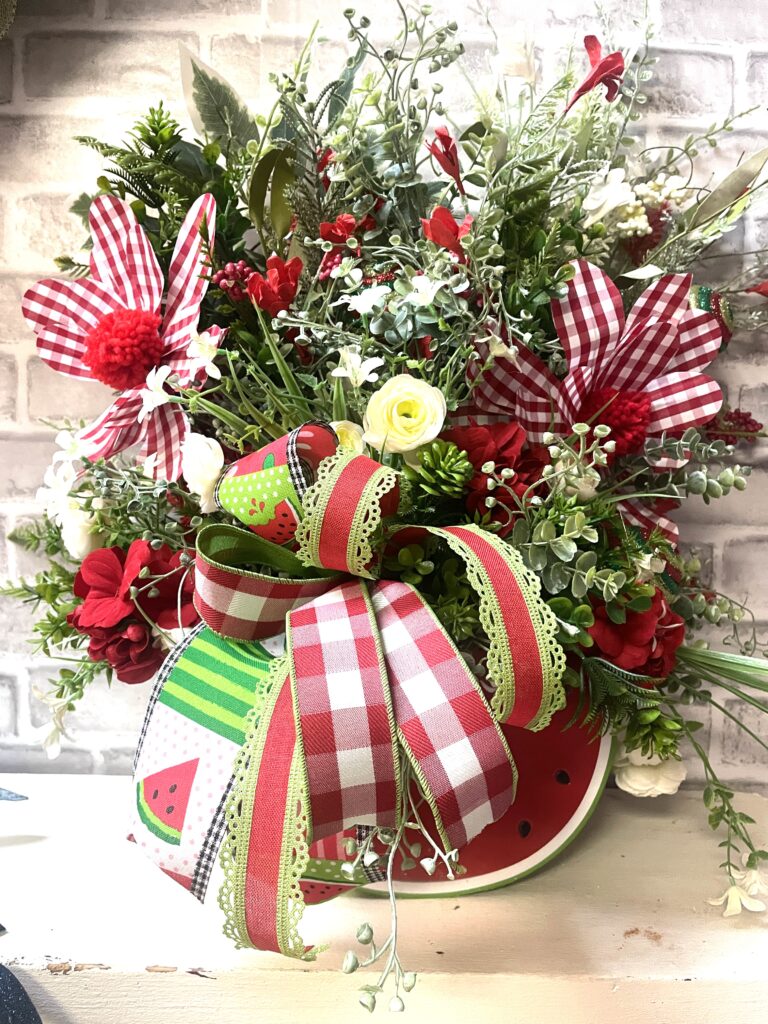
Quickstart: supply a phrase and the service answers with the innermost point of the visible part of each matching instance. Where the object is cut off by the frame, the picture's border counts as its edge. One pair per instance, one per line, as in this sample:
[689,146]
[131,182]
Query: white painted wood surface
[617,929]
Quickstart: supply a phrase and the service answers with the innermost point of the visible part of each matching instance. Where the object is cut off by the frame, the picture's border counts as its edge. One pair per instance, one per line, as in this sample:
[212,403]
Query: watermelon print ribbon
[371,694]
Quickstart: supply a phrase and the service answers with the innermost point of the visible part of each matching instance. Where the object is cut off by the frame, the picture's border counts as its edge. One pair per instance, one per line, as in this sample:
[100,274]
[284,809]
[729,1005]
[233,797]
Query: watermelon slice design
[162,800]
[562,775]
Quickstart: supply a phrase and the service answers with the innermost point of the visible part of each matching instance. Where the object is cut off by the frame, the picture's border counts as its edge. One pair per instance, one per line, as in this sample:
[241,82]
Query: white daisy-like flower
[357,370]
[70,446]
[154,394]
[202,350]
[736,898]
[369,299]
[423,290]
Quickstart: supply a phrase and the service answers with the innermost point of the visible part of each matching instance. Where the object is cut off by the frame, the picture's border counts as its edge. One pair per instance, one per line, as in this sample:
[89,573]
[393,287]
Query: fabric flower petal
[122,256]
[166,429]
[681,400]
[700,339]
[187,278]
[61,313]
[115,430]
[635,363]
[588,321]
[665,299]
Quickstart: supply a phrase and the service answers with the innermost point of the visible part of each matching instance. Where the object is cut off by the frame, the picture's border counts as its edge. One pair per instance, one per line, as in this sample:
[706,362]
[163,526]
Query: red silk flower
[443,230]
[503,444]
[125,320]
[607,71]
[107,575]
[129,648]
[646,643]
[445,152]
[276,290]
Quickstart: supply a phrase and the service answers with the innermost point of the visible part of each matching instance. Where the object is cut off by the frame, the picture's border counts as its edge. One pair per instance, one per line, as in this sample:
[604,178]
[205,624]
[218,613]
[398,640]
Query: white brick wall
[91,66]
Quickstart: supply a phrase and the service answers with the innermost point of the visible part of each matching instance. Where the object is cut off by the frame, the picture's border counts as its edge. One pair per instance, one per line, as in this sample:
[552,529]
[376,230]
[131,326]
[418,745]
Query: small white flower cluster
[632,221]
[664,188]
[748,891]
[61,505]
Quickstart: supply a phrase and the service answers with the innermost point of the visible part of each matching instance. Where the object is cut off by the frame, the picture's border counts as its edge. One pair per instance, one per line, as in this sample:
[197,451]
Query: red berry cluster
[233,279]
[732,426]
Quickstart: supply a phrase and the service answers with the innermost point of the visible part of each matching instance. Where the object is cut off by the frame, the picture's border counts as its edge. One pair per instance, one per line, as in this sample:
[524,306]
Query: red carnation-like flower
[276,290]
[443,230]
[505,445]
[646,643]
[119,625]
[337,232]
[607,71]
[446,153]
[129,649]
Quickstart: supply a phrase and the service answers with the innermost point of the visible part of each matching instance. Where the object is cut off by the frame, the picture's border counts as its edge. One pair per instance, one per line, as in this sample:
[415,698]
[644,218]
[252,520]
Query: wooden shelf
[617,929]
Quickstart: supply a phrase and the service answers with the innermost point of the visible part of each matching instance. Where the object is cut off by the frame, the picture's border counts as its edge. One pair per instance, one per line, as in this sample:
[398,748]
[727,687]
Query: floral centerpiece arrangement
[403,411]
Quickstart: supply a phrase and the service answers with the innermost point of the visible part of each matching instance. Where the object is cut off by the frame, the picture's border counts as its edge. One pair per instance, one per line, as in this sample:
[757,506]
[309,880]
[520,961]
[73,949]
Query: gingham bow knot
[371,690]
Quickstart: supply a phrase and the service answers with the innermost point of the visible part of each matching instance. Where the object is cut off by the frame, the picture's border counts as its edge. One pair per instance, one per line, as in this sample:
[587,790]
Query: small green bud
[581,429]
[409,981]
[365,934]
[396,1005]
[350,962]
[368,1000]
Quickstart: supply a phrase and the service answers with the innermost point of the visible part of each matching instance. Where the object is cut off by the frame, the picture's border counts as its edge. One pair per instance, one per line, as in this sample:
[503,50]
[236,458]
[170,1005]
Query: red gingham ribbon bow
[371,692]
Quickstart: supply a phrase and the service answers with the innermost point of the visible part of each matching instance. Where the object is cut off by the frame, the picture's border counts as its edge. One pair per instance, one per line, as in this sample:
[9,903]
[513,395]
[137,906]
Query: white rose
[643,775]
[202,460]
[404,414]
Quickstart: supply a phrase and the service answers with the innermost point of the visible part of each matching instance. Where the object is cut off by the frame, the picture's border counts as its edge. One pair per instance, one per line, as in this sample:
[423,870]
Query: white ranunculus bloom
[202,460]
[77,533]
[643,775]
[350,435]
[404,414]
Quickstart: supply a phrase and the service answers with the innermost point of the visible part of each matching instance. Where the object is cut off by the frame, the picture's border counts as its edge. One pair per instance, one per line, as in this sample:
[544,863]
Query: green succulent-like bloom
[443,470]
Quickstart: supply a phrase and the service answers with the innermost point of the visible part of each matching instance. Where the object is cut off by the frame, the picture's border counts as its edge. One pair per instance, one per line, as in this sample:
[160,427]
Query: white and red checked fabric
[244,605]
[345,711]
[125,274]
[444,722]
[660,350]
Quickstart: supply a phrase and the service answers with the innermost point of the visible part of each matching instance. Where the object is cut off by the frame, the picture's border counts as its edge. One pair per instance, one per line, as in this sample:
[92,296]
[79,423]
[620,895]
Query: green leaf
[215,108]
[564,548]
[343,88]
[280,212]
[729,190]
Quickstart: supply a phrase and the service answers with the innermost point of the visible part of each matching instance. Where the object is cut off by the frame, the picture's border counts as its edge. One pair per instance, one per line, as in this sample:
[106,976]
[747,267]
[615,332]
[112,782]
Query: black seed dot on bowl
[524,829]
[562,777]
[169,810]
[154,795]
[173,788]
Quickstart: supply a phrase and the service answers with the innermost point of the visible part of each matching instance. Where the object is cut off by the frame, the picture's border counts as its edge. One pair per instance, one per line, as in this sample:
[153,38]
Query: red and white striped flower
[641,374]
[125,322]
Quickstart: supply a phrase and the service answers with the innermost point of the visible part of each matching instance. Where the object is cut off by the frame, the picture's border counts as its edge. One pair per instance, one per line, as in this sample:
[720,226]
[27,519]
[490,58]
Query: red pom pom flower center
[627,413]
[123,347]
